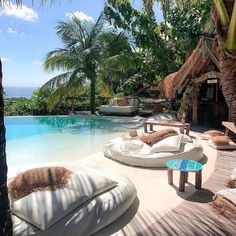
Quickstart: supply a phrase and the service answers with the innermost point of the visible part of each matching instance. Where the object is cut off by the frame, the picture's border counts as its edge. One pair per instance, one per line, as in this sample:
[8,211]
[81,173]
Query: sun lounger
[131,108]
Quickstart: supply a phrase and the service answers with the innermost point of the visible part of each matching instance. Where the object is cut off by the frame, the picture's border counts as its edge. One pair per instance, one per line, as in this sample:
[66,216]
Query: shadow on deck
[195,216]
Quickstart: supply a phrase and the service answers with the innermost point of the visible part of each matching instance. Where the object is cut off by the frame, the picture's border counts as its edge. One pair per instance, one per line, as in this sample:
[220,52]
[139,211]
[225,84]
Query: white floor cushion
[228,194]
[137,153]
[45,208]
[90,217]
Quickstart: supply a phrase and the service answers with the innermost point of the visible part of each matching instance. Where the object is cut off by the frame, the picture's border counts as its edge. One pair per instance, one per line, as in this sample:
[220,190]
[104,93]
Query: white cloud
[15,32]
[81,15]
[37,63]
[11,31]
[4,59]
[22,12]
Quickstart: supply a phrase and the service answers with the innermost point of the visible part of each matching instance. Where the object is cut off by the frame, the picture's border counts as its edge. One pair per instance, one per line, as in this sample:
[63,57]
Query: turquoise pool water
[60,138]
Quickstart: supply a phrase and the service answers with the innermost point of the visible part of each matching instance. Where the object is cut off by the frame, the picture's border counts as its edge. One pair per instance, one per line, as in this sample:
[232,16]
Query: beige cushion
[122,102]
[213,133]
[230,146]
[170,144]
[45,208]
[220,140]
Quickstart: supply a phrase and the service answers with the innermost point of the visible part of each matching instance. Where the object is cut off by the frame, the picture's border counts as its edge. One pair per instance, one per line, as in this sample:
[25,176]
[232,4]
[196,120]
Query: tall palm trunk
[5,216]
[228,71]
[93,95]
[225,35]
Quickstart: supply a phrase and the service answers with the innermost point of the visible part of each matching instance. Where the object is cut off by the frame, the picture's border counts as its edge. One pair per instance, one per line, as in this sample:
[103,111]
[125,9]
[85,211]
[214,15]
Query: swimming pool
[43,139]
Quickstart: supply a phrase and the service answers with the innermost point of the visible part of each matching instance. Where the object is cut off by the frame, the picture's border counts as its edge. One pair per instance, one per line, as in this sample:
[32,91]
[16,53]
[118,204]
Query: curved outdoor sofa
[90,217]
[136,153]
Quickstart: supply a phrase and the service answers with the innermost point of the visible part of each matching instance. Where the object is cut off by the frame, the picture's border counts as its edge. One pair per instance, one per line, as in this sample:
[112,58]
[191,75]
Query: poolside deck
[175,213]
[161,209]
[195,216]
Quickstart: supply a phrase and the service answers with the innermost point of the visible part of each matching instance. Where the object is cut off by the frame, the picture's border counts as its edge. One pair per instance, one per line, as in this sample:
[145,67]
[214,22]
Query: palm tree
[86,50]
[79,57]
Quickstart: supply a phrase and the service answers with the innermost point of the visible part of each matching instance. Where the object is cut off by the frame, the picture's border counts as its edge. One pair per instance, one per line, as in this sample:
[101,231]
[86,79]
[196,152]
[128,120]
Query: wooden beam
[212,56]
[208,75]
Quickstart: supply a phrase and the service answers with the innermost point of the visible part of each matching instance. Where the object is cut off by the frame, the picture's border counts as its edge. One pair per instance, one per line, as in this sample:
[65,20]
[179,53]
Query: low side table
[185,166]
[182,126]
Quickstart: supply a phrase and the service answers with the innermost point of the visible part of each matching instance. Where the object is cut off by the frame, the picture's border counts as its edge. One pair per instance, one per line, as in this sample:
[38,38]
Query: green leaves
[92,53]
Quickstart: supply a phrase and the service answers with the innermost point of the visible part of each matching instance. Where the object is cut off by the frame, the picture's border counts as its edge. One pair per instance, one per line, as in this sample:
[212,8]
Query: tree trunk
[93,95]
[227,58]
[5,215]
[228,71]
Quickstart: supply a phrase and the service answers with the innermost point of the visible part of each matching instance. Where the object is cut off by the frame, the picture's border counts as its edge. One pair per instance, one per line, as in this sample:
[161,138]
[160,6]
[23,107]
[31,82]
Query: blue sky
[27,34]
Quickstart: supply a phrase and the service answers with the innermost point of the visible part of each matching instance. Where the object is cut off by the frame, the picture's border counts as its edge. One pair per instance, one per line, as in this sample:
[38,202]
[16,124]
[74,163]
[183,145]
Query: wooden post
[5,215]
[145,127]
[186,177]
[195,105]
[181,129]
[182,179]
[198,180]
[170,176]
[151,127]
[187,127]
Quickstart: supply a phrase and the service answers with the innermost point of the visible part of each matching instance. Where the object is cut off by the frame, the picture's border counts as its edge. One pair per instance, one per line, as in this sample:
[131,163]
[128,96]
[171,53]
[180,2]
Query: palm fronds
[60,59]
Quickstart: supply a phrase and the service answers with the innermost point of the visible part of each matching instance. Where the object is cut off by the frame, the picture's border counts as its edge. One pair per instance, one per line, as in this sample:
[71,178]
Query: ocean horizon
[17,92]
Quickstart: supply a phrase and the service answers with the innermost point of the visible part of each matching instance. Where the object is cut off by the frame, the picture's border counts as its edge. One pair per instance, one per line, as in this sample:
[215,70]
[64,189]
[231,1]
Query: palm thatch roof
[197,61]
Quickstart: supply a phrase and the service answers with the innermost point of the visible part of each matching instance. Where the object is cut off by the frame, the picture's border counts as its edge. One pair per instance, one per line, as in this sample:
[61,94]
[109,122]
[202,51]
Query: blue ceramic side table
[185,166]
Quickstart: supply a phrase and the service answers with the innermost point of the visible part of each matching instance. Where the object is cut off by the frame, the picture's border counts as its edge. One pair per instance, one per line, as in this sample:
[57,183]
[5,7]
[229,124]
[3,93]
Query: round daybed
[87,218]
[136,153]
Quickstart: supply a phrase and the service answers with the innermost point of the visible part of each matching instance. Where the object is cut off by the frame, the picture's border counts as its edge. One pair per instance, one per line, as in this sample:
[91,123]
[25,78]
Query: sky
[28,33]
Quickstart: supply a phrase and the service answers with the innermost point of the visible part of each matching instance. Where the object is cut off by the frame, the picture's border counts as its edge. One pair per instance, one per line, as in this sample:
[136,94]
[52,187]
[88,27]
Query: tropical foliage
[38,104]
[94,59]
[162,46]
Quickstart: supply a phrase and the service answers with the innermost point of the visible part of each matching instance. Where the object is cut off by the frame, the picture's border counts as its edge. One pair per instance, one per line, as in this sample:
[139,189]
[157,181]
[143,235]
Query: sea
[16,92]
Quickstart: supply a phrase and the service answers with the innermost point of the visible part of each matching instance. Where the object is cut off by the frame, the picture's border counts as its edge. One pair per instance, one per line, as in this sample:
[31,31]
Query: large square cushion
[169,144]
[45,208]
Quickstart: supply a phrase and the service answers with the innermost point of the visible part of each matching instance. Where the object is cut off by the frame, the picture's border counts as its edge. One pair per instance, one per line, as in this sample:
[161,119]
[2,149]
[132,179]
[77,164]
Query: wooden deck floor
[195,216]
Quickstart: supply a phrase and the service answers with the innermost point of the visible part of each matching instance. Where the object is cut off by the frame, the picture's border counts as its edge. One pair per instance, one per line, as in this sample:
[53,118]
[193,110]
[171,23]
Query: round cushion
[137,153]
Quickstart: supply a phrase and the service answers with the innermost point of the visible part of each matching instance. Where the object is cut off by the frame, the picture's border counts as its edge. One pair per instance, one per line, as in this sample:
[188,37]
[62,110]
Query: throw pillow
[220,140]
[122,102]
[38,179]
[158,136]
[214,133]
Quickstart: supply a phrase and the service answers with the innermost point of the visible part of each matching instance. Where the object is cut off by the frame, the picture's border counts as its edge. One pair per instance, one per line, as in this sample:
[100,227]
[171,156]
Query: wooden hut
[199,77]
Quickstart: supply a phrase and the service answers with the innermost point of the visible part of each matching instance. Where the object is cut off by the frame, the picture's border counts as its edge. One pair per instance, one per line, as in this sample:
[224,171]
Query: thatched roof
[197,61]
[205,52]
[167,85]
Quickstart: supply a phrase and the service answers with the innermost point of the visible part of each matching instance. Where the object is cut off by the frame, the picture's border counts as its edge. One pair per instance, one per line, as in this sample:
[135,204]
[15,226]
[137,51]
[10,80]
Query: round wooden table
[185,166]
